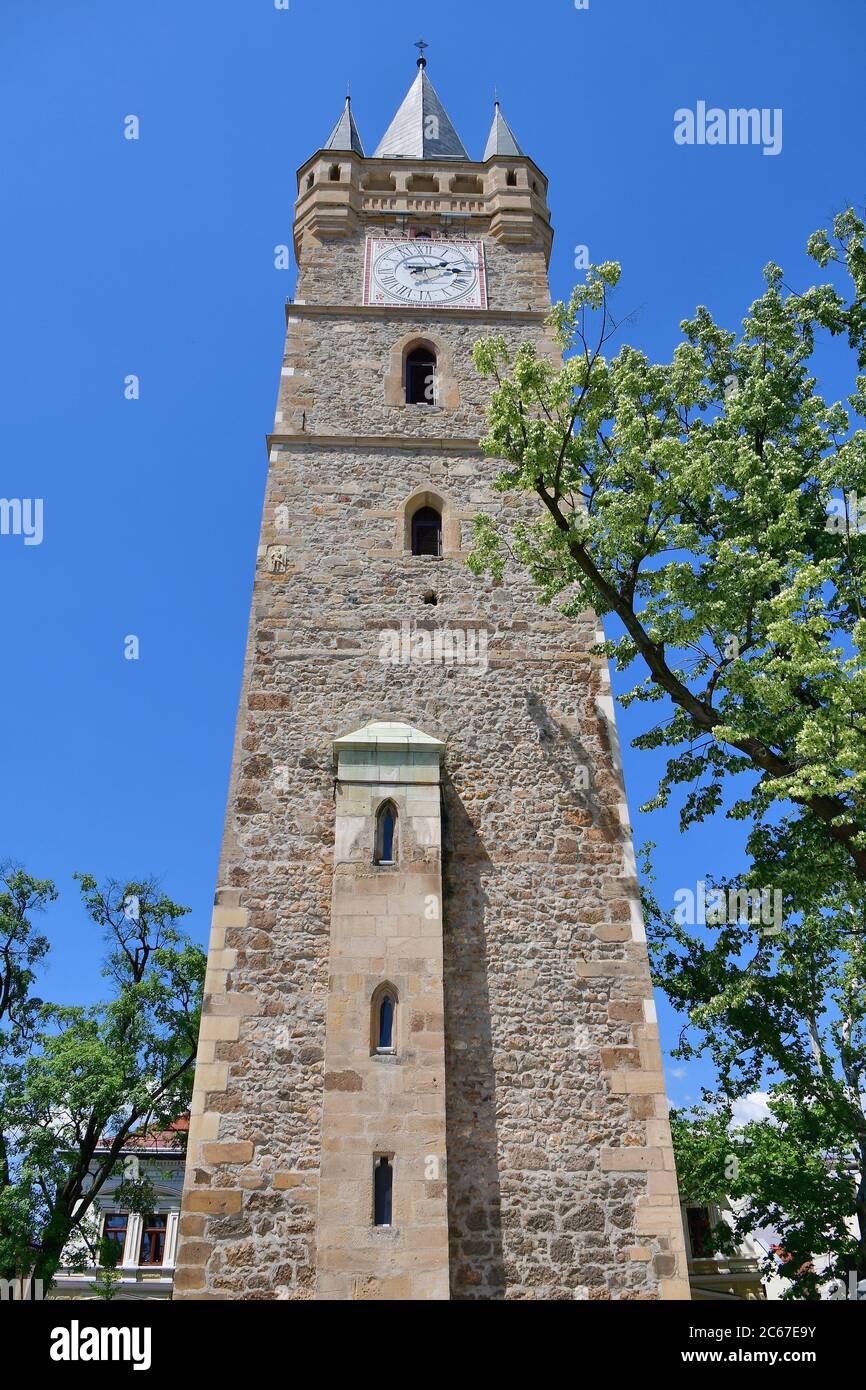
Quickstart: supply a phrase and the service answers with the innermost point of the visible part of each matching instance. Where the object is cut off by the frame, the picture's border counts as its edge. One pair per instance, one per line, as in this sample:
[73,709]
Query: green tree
[690,500]
[715,508]
[775,1173]
[21,950]
[106,1283]
[784,1010]
[22,947]
[77,1074]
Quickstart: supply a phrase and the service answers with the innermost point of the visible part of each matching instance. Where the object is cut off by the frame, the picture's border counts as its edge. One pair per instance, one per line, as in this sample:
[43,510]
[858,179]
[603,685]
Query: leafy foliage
[710,506]
[691,501]
[785,1011]
[69,1076]
[786,1173]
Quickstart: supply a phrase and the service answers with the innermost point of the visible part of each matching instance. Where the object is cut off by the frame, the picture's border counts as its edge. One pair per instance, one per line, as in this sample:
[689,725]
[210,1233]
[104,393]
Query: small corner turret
[421,172]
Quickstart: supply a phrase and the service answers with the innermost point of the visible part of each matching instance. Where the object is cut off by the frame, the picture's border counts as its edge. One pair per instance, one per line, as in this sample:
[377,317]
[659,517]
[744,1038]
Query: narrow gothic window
[386,833]
[383,1184]
[511,178]
[335,173]
[421,377]
[427,532]
[383,1020]
[386,1024]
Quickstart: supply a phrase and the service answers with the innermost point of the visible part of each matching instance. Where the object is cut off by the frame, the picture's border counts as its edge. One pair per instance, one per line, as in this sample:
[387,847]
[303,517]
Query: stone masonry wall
[559,1165]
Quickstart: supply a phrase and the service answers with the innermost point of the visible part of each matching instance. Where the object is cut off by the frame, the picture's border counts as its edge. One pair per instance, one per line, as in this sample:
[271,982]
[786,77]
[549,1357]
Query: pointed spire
[501,140]
[421,128]
[345,135]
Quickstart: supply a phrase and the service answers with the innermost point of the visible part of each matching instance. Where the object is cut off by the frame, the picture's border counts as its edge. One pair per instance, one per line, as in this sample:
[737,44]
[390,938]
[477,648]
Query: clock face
[427,273]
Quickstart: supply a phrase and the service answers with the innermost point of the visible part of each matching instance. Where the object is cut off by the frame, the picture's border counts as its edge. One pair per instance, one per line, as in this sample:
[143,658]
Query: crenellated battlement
[340,193]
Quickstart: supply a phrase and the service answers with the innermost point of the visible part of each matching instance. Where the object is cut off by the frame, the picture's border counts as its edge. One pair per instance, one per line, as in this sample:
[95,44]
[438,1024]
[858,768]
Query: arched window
[383,1021]
[311,178]
[334,174]
[421,377]
[427,525]
[383,1187]
[386,834]
[511,178]
[427,532]
[386,1024]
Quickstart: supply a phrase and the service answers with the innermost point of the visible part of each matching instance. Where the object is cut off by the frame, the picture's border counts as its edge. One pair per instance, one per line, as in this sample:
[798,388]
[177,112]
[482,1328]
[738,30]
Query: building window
[152,1240]
[334,173]
[386,834]
[114,1229]
[385,1014]
[383,1020]
[386,1024]
[698,1219]
[427,532]
[311,178]
[383,1187]
[421,377]
[511,178]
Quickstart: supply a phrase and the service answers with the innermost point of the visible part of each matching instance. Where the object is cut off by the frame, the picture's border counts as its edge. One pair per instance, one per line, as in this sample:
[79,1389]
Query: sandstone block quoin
[521,1106]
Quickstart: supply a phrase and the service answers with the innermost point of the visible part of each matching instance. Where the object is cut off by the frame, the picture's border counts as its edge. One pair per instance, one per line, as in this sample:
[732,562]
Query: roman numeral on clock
[434,274]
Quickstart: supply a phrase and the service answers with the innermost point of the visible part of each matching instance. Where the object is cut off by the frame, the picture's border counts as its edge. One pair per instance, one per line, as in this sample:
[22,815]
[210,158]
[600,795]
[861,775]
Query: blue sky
[156,257]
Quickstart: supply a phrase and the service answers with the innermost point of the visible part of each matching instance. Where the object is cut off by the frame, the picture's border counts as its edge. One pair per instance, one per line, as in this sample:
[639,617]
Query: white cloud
[751,1107]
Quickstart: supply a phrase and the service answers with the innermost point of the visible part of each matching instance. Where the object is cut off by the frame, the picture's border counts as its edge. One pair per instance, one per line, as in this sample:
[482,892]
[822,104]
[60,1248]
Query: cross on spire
[421,45]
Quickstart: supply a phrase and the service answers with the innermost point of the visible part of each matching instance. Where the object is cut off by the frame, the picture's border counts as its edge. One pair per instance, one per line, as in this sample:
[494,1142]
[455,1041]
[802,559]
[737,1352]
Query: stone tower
[429,1065]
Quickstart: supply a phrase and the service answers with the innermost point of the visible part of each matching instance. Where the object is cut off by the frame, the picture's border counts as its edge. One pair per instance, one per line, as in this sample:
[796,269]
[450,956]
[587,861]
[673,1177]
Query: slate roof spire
[501,140]
[421,128]
[345,134]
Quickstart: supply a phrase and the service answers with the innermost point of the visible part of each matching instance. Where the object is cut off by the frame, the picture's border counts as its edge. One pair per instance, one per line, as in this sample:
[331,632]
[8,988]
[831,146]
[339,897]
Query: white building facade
[148,1241]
